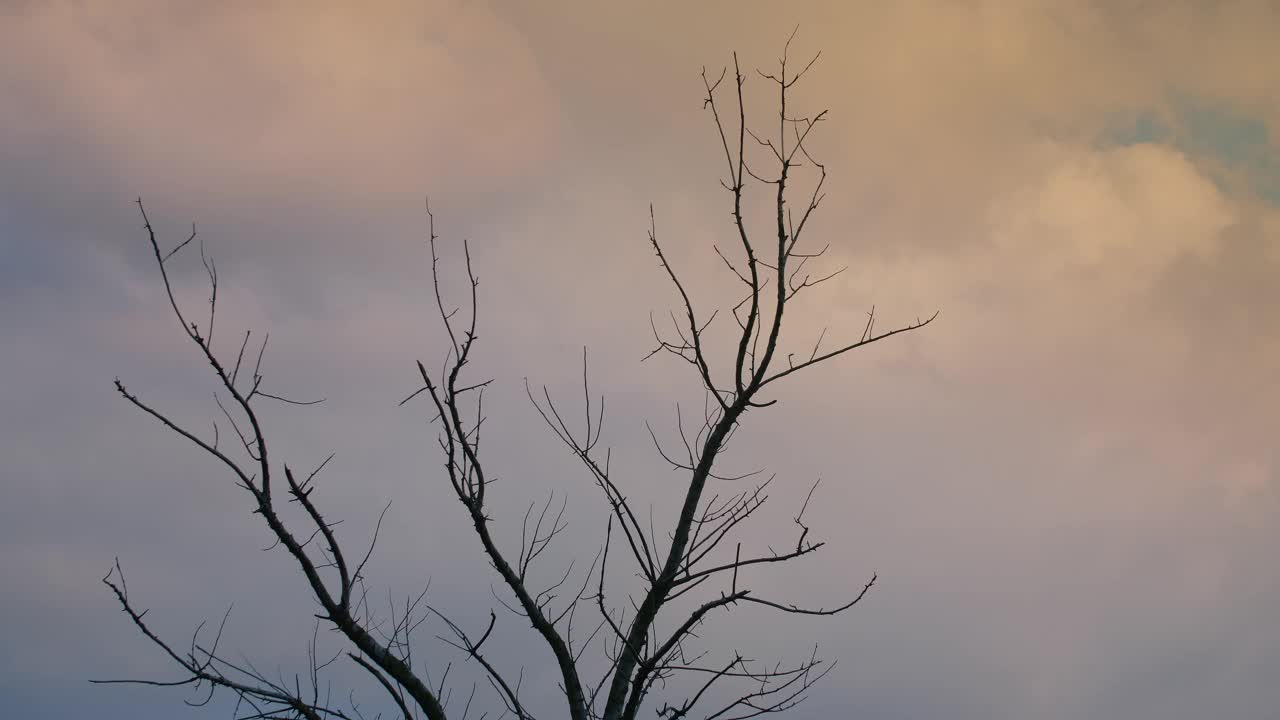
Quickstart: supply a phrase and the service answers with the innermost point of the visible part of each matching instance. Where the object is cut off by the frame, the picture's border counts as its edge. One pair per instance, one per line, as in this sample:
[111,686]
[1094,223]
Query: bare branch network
[610,655]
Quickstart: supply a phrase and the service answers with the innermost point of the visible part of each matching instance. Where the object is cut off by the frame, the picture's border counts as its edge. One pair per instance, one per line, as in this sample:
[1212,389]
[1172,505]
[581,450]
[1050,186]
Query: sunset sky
[1069,484]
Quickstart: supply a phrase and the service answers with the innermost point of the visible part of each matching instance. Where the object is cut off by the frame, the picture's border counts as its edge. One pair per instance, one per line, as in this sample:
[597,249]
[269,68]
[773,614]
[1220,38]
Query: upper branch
[702,524]
[336,605]
[467,476]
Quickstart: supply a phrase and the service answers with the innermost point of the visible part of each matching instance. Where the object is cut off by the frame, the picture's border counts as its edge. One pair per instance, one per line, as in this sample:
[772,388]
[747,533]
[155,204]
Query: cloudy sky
[1069,484]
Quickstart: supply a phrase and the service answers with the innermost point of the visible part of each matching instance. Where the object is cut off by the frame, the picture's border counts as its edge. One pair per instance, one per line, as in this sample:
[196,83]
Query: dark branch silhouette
[678,570]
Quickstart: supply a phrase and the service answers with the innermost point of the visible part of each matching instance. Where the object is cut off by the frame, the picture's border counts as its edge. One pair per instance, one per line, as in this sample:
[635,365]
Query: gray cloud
[1069,484]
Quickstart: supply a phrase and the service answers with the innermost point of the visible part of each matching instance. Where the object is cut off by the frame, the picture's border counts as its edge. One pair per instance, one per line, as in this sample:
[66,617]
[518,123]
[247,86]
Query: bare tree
[687,574]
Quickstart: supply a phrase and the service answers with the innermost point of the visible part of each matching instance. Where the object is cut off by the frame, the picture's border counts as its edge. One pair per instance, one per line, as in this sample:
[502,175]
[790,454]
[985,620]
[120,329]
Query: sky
[1068,484]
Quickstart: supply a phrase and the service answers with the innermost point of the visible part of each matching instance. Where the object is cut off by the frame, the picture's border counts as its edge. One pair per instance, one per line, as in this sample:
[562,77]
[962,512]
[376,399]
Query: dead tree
[688,574]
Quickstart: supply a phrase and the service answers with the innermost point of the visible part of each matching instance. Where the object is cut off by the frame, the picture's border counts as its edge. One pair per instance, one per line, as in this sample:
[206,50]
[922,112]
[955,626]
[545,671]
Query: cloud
[1068,483]
[286,99]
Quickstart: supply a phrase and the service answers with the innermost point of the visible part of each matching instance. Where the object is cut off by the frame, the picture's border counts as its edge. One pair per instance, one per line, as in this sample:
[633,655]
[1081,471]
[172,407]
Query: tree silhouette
[631,651]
